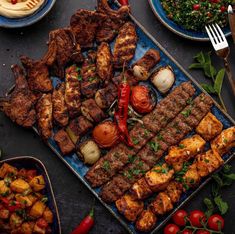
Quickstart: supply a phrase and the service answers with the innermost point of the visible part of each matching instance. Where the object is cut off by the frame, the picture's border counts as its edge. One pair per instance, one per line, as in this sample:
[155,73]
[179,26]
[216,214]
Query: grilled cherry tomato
[171,229]
[187,231]
[202,232]
[196,218]
[123,2]
[216,222]
[179,217]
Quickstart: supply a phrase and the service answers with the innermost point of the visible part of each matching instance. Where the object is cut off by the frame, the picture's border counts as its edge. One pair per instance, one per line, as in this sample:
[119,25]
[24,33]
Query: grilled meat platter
[122,115]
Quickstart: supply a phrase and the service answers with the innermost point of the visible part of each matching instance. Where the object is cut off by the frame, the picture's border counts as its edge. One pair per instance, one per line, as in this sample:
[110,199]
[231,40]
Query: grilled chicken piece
[104,62]
[78,127]
[91,111]
[143,66]
[60,110]
[115,19]
[19,106]
[209,127]
[162,204]
[125,45]
[225,141]
[44,116]
[146,221]
[64,142]
[208,162]
[84,24]
[174,191]
[129,207]
[66,50]
[106,96]
[187,149]
[158,178]
[72,91]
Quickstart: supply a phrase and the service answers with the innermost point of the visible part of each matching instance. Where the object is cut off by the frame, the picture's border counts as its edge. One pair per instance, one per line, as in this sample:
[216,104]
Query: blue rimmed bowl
[28,20]
[177,29]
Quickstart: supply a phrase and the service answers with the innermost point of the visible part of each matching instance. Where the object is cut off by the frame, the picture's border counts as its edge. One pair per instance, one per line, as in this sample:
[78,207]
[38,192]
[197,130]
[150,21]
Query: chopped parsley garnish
[186,113]
[161,170]
[181,146]
[131,158]
[206,160]
[146,132]
[135,141]
[79,77]
[106,165]
[92,79]
[154,146]
[159,137]
[190,101]
[225,140]
[44,199]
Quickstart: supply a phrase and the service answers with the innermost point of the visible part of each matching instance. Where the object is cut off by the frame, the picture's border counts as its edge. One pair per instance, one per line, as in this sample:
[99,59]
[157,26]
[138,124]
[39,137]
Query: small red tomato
[187,231]
[171,229]
[196,7]
[202,232]
[13,1]
[196,218]
[179,217]
[215,222]
[215,1]
[223,9]
[42,223]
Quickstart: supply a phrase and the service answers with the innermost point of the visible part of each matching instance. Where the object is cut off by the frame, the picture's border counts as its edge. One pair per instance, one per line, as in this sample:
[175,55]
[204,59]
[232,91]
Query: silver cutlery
[221,47]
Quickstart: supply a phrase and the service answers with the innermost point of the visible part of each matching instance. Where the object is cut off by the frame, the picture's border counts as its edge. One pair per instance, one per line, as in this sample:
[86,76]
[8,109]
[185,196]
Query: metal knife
[231,17]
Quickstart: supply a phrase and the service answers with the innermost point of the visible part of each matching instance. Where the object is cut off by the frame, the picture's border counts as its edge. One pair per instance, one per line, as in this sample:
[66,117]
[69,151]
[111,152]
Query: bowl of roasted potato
[27,202]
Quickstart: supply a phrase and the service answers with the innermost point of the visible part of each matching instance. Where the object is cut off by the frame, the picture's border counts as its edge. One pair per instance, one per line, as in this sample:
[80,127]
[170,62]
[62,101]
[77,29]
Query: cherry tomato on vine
[187,231]
[216,222]
[179,217]
[196,7]
[202,232]
[171,229]
[223,8]
[196,218]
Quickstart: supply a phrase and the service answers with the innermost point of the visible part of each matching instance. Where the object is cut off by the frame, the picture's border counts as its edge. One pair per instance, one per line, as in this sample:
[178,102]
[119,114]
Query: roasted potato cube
[4,214]
[159,177]
[48,215]
[37,209]
[225,141]
[39,230]
[146,221]
[64,142]
[24,200]
[174,191]
[209,127]
[7,169]
[19,186]
[208,162]
[129,207]
[187,149]
[4,190]
[27,228]
[162,204]
[15,221]
[37,183]
[34,197]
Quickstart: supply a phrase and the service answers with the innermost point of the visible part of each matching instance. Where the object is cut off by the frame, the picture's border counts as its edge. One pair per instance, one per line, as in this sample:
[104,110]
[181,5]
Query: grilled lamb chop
[19,106]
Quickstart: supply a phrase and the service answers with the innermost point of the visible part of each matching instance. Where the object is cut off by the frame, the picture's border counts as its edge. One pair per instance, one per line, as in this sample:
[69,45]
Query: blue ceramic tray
[28,162]
[189,34]
[29,20]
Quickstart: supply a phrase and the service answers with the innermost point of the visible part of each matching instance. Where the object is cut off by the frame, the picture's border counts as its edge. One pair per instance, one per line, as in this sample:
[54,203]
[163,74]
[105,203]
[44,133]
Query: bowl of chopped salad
[188,18]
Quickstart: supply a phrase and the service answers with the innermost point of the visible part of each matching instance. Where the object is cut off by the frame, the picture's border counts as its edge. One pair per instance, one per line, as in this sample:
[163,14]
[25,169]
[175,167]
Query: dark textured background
[73,199]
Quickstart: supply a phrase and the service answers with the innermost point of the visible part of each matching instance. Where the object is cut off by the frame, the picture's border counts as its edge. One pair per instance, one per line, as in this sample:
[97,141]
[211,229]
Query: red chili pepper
[123,2]
[121,115]
[85,226]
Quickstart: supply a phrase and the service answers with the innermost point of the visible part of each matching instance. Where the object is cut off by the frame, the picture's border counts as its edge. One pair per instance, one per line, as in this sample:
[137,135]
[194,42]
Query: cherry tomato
[187,231]
[223,9]
[171,229]
[202,232]
[215,222]
[196,217]
[196,7]
[123,2]
[179,217]
[42,223]
[13,1]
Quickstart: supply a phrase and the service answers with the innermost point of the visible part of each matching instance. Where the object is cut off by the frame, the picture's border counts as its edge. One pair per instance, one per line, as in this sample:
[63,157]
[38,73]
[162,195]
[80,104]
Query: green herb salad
[195,14]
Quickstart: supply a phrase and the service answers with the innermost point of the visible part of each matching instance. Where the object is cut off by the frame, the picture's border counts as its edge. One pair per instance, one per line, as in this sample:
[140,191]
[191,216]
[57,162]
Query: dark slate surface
[73,199]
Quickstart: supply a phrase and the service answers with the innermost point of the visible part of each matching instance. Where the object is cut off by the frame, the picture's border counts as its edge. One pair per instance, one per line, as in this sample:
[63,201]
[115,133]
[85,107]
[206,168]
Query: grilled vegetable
[90,152]
[7,169]
[106,134]
[146,221]
[19,186]
[37,183]
[37,209]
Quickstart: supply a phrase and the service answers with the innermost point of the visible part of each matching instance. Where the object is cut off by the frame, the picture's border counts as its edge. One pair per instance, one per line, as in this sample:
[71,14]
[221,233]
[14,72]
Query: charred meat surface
[130,77]
[44,116]
[19,106]
[60,110]
[125,45]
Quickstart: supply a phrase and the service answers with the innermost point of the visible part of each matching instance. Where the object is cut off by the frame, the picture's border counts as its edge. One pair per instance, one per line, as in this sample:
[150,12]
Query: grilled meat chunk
[44,116]
[19,106]
[129,75]
[225,141]
[174,191]
[66,50]
[91,111]
[84,24]
[60,110]
[64,142]
[187,149]
[129,207]
[104,62]
[209,127]
[106,96]
[125,45]
[72,91]
[208,162]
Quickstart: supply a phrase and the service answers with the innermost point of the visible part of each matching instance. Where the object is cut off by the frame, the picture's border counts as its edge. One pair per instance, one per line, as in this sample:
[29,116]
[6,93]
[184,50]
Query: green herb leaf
[186,113]
[222,205]
[106,165]
[227,168]
[154,146]
[217,179]
[208,88]
[195,66]
[215,189]
[210,206]
[230,176]
[219,81]
[200,57]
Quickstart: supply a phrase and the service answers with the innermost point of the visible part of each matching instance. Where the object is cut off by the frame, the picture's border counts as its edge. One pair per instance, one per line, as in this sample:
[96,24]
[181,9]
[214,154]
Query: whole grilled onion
[142,100]
[106,134]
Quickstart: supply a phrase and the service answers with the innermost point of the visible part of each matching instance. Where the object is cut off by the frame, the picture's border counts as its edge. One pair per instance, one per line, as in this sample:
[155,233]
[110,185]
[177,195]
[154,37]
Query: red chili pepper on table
[85,226]
[121,115]
[123,2]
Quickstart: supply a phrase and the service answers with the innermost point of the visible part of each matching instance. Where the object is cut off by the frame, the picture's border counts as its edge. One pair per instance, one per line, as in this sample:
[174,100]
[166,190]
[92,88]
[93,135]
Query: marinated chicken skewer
[175,131]
[167,109]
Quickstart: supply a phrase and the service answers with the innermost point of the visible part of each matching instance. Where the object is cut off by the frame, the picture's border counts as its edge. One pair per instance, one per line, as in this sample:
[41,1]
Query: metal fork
[221,47]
